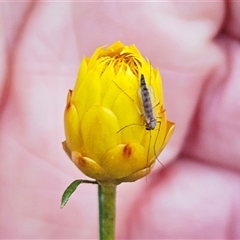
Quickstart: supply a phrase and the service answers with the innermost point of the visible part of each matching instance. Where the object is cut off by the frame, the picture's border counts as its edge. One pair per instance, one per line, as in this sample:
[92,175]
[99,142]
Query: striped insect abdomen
[147,106]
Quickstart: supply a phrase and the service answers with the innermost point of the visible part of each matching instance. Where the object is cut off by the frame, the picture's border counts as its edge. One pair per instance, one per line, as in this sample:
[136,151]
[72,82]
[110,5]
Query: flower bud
[105,118]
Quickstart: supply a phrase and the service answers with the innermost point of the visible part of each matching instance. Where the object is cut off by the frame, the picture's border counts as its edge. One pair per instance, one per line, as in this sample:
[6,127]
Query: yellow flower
[104,118]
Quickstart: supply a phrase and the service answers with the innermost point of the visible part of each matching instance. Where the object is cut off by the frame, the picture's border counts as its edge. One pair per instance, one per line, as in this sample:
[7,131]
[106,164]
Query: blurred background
[196,47]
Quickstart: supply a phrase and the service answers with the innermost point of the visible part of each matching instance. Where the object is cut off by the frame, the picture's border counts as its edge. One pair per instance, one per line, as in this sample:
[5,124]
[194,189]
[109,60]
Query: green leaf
[71,189]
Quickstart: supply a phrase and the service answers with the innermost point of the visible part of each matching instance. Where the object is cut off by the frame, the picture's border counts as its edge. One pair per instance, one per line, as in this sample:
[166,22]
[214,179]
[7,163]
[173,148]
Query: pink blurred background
[196,47]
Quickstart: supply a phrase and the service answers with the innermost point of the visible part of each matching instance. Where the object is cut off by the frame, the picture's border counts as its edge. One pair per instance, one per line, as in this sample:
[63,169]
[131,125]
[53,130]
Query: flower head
[105,119]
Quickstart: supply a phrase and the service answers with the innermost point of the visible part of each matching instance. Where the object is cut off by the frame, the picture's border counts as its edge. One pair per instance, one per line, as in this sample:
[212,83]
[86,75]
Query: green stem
[106,204]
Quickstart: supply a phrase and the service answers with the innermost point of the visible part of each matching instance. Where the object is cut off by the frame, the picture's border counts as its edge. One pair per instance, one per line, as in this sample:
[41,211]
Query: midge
[148,112]
[150,120]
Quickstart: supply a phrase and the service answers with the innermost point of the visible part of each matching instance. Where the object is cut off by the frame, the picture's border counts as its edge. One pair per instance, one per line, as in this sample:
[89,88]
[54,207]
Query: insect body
[150,120]
[147,105]
[148,113]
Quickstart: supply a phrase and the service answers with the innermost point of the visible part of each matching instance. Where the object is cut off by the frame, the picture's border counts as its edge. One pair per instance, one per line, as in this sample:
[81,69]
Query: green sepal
[71,189]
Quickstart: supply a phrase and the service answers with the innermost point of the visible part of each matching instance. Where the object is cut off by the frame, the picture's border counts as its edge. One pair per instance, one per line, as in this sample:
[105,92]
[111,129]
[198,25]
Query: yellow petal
[99,131]
[134,49]
[116,46]
[124,159]
[137,175]
[89,167]
[131,123]
[88,94]
[66,149]
[169,132]
[106,81]
[95,56]
[72,126]
[82,74]
[158,90]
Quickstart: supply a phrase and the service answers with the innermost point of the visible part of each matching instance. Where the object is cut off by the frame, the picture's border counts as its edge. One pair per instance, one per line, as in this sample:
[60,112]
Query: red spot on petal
[79,160]
[82,161]
[69,99]
[68,105]
[127,151]
[69,94]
